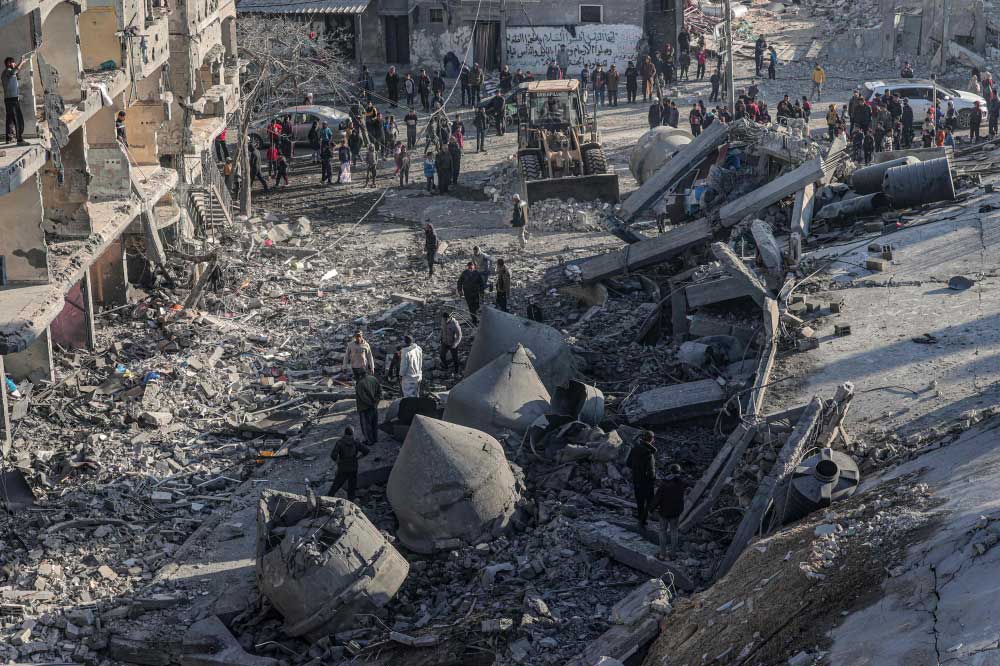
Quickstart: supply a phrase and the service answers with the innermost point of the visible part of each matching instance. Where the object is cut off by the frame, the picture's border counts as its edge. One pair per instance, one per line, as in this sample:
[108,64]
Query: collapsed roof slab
[501,333]
[451,485]
[505,394]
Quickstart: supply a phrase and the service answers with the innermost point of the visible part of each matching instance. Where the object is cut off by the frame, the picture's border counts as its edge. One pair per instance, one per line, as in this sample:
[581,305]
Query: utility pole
[503,33]
[730,88]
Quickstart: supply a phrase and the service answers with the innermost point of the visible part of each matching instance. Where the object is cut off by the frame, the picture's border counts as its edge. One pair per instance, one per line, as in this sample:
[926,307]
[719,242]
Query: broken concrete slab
[209,643]
[651,596]
[802,210]
[677,402]
[636,622]
[738,269]
[505,394]
[451,485]
[631,550]
[717,290]
[588,294]
[767,248]
[500,332]
[581,401]
[321,562]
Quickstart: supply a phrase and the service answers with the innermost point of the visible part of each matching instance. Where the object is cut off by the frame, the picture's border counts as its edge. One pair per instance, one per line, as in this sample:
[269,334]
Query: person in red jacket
[221,149]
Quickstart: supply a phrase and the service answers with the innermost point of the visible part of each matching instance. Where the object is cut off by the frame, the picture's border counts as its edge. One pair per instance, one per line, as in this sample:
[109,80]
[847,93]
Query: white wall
[532,48]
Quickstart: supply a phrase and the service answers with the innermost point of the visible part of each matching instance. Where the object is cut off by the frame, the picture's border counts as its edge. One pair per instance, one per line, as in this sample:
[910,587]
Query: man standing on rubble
[520,220]
[411,367]
[367,394]
[503,285]
[471,285]
[818,79]
[483,263]
[758,53]
[345,453]
[669,503]
[451,338]
[642,461]
[359,356]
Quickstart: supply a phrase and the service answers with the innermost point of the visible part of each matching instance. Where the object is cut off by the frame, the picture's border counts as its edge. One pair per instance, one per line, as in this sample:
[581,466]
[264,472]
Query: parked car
[920,92]
[302,120]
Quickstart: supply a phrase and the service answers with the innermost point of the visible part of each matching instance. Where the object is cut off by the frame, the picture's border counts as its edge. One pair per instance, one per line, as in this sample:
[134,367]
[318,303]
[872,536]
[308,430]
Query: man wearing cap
[519,220]
[669,501]
[345,453]
[359,356]
[411,367]
[367,394]
[471,285]
[642,461]
[451,338]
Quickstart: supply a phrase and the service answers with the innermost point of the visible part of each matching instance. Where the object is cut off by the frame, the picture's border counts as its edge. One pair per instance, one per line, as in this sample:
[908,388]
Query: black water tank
[818,481]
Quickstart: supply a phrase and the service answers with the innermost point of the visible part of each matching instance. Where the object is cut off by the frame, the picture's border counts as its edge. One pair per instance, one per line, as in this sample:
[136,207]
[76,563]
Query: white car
[920,92]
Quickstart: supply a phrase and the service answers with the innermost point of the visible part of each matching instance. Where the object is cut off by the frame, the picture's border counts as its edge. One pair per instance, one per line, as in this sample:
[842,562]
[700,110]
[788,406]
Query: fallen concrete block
[321,562]
[581,401]
[677,402]
[717,290]
[737,269]
[451,485]
[652,596]
[209,643]
[500,332]
[631,550]
[761,197]
[588,294]
[505,394]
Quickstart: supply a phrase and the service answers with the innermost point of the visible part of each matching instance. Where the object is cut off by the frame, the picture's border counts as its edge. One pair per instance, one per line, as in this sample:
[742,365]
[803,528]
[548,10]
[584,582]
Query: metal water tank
[654,149]
[916,184]
[819,480]
[869,179]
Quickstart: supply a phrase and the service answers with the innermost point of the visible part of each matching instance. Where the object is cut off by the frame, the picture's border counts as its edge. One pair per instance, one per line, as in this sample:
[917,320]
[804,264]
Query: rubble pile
[568,215]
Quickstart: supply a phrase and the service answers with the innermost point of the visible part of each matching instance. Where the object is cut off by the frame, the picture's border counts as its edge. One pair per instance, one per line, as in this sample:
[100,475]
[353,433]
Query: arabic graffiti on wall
[533,48]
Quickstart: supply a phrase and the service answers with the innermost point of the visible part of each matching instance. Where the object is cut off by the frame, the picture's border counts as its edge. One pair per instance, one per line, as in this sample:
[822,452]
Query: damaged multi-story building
[82,210]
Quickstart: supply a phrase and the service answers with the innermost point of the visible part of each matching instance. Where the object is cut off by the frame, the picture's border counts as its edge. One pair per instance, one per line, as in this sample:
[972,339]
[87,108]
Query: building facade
[74,197]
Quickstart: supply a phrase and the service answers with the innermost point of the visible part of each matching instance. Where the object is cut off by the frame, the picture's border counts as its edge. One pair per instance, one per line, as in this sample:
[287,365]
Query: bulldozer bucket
[582,188]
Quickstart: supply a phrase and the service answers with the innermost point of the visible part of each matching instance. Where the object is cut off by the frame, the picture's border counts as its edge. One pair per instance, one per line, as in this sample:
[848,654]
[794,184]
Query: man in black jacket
[655,115]
[907,120]
[345,453]
[631,83]
[471,285]
[367,394]
[642,462]
[669,502]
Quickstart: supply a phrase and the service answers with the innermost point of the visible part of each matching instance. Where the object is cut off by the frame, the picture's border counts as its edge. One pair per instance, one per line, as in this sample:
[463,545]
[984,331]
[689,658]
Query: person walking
[429,170]
[497,106]
[715,79]
[975,120]
[451,338]
[832,118]
[371,165]
[367,394]
[411,367]
[993,113]
[476,85]
[642,461]
[701,58]
[648,73]
[696,120]
[326,163]
[430,247]
[255,173]
[392,86]
[772,64]
[562,58]
[869,146]
[480,123]
[455,152]
[221,148]
[343,162]
[683,66]
[519,220]
[818,79]
[409,89]
[345,453]
[600,84]
[458,130]
[443,165]
[503,285]
[463,81]
[669,503]
[410,120]
[613,78]
[631,82]
[14,117]
[404,167]
[655,114]
[280,169]
[759,47]
[907,121]
[505,80]
[366,82]
[424,90]
[358,356]
[471,286]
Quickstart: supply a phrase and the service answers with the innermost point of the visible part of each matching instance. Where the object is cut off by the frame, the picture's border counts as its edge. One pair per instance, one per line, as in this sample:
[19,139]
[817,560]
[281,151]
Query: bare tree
[285,62]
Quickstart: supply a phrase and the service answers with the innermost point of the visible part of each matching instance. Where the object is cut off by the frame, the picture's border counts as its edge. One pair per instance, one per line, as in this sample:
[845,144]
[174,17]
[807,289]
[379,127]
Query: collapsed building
[86,212]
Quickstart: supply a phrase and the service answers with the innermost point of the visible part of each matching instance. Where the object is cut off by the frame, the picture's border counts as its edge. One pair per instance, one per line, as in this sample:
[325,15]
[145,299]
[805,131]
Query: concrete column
[888,29]
[34,363]
[109,277]
[979,36]
[66,212]
[5,433]
[927,31]
[73,328]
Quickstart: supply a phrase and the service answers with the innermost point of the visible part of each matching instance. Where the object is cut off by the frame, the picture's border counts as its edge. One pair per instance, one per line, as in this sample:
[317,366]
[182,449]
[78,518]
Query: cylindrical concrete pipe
[916,184]
[869,179]
[451,486]
[321,565]
[654,149]
[862,205]
[505,394]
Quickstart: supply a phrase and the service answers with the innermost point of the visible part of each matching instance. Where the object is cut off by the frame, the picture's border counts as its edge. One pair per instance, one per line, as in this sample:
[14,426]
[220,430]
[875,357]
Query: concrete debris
[451,485]
[568,215]
[321,562]
[500,333]
[209,643]
[505,394]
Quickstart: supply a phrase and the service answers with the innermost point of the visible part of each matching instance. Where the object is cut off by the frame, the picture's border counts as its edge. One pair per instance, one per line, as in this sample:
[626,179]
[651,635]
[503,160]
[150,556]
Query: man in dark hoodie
[345,453]
[367,394]
[642,462]
[669,502]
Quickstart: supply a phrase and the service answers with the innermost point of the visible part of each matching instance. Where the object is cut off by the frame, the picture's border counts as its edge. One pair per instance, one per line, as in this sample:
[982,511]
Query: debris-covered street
[687,386]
